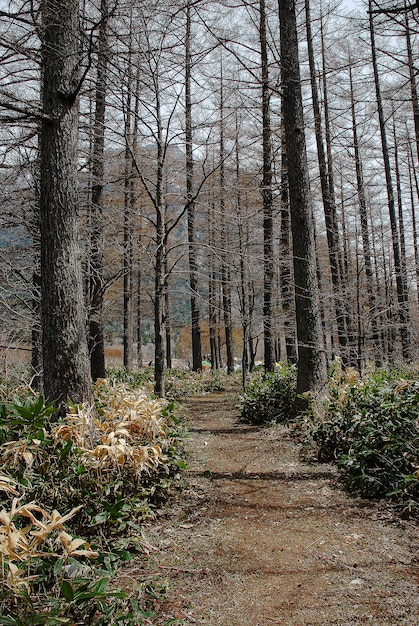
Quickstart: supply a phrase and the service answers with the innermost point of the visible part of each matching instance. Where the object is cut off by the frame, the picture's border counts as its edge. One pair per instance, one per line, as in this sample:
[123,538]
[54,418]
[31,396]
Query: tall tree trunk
[65,353]
[329,204]
[128,250]
[243,240]
[225,266]
[403,260]
[212,291]
[167,322]
[193,264]
[96,279]
[285,261]
[401,287]
[413,178]
[413,86]
[312,374]
[364,228]
[160,256]
[139,320]
[268,268]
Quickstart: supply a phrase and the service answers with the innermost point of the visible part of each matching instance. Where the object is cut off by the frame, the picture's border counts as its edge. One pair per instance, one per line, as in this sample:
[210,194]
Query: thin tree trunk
[285,261]
[403,260]
[128,331]
[312,374]
[212,297]
[160,256]
[193,264]
[96,279]
[139,320]
[244,300]
[167,322]
[364,228]
[225,268]
[329,204]
[268,270]
[403,304]
[65,353]
[413,86]
[412,175]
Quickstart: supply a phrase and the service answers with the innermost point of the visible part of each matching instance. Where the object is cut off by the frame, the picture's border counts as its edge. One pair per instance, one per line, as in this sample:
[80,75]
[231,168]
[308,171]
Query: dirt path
[258,538]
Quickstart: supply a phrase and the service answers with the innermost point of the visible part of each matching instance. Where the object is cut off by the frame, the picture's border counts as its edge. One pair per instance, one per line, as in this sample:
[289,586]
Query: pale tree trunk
[413,178]
[364,229]
[401,287]
[128,332]
[243,234]
[286,288]
[266,196]
[96,278]
[403,260]
[329,204]
[413,86]
[133,193]
[312,374]
[65,354]
[193,264]
[212,290]
[225,267]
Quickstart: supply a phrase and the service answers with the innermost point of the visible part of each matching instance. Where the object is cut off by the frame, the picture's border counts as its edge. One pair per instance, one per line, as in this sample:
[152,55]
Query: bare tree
[65,353]
[312,376]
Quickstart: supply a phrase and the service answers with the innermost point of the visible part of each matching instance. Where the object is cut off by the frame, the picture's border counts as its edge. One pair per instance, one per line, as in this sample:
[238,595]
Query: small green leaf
[67,591]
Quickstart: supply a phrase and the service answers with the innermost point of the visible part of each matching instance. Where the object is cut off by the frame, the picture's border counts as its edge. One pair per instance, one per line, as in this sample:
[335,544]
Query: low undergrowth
[371,431]
[74,494]
[178,382]
[269,398]
[370,428]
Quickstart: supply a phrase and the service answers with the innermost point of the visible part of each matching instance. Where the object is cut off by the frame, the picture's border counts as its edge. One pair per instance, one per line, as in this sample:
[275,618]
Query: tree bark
[413,86]
[312,375]
[329,204]
[268,265]
[193,264]
[364,228]
[225,268]
[401,287]
[96,278]
[286,287]
[65,353]
[128,295]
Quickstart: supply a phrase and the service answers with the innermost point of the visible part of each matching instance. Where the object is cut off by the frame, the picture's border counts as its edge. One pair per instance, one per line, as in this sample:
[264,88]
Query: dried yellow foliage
[126,435]
[20,544]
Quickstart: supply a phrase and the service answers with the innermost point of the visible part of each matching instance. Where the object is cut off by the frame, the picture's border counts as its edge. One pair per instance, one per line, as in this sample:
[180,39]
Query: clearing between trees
[258,537]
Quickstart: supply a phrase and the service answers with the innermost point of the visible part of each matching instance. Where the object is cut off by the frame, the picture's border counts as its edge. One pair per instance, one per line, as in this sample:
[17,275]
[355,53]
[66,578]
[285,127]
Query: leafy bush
[270,396]
[48,576]
[186,383]
[107,465]
[119,455]
[178,382]
[372,431]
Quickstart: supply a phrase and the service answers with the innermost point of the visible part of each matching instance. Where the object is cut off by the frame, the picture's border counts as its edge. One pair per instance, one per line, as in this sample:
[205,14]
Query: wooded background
[146,144]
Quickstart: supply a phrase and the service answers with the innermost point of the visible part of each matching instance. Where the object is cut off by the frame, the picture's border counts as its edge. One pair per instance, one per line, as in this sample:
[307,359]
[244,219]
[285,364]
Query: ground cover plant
[270,396]
[178,382]
[74,493]
[371,431]
[370,427]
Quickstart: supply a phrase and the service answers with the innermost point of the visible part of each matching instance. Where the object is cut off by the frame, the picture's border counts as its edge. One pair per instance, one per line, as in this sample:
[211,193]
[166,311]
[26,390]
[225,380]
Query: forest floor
[258,537]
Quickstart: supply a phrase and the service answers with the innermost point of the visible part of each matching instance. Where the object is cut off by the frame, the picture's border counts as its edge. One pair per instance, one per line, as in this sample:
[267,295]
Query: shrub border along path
[257,537]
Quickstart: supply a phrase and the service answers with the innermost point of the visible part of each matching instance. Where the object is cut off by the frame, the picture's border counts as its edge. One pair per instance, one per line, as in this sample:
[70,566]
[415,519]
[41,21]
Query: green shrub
[270,397]
[107,466]
[372,431]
